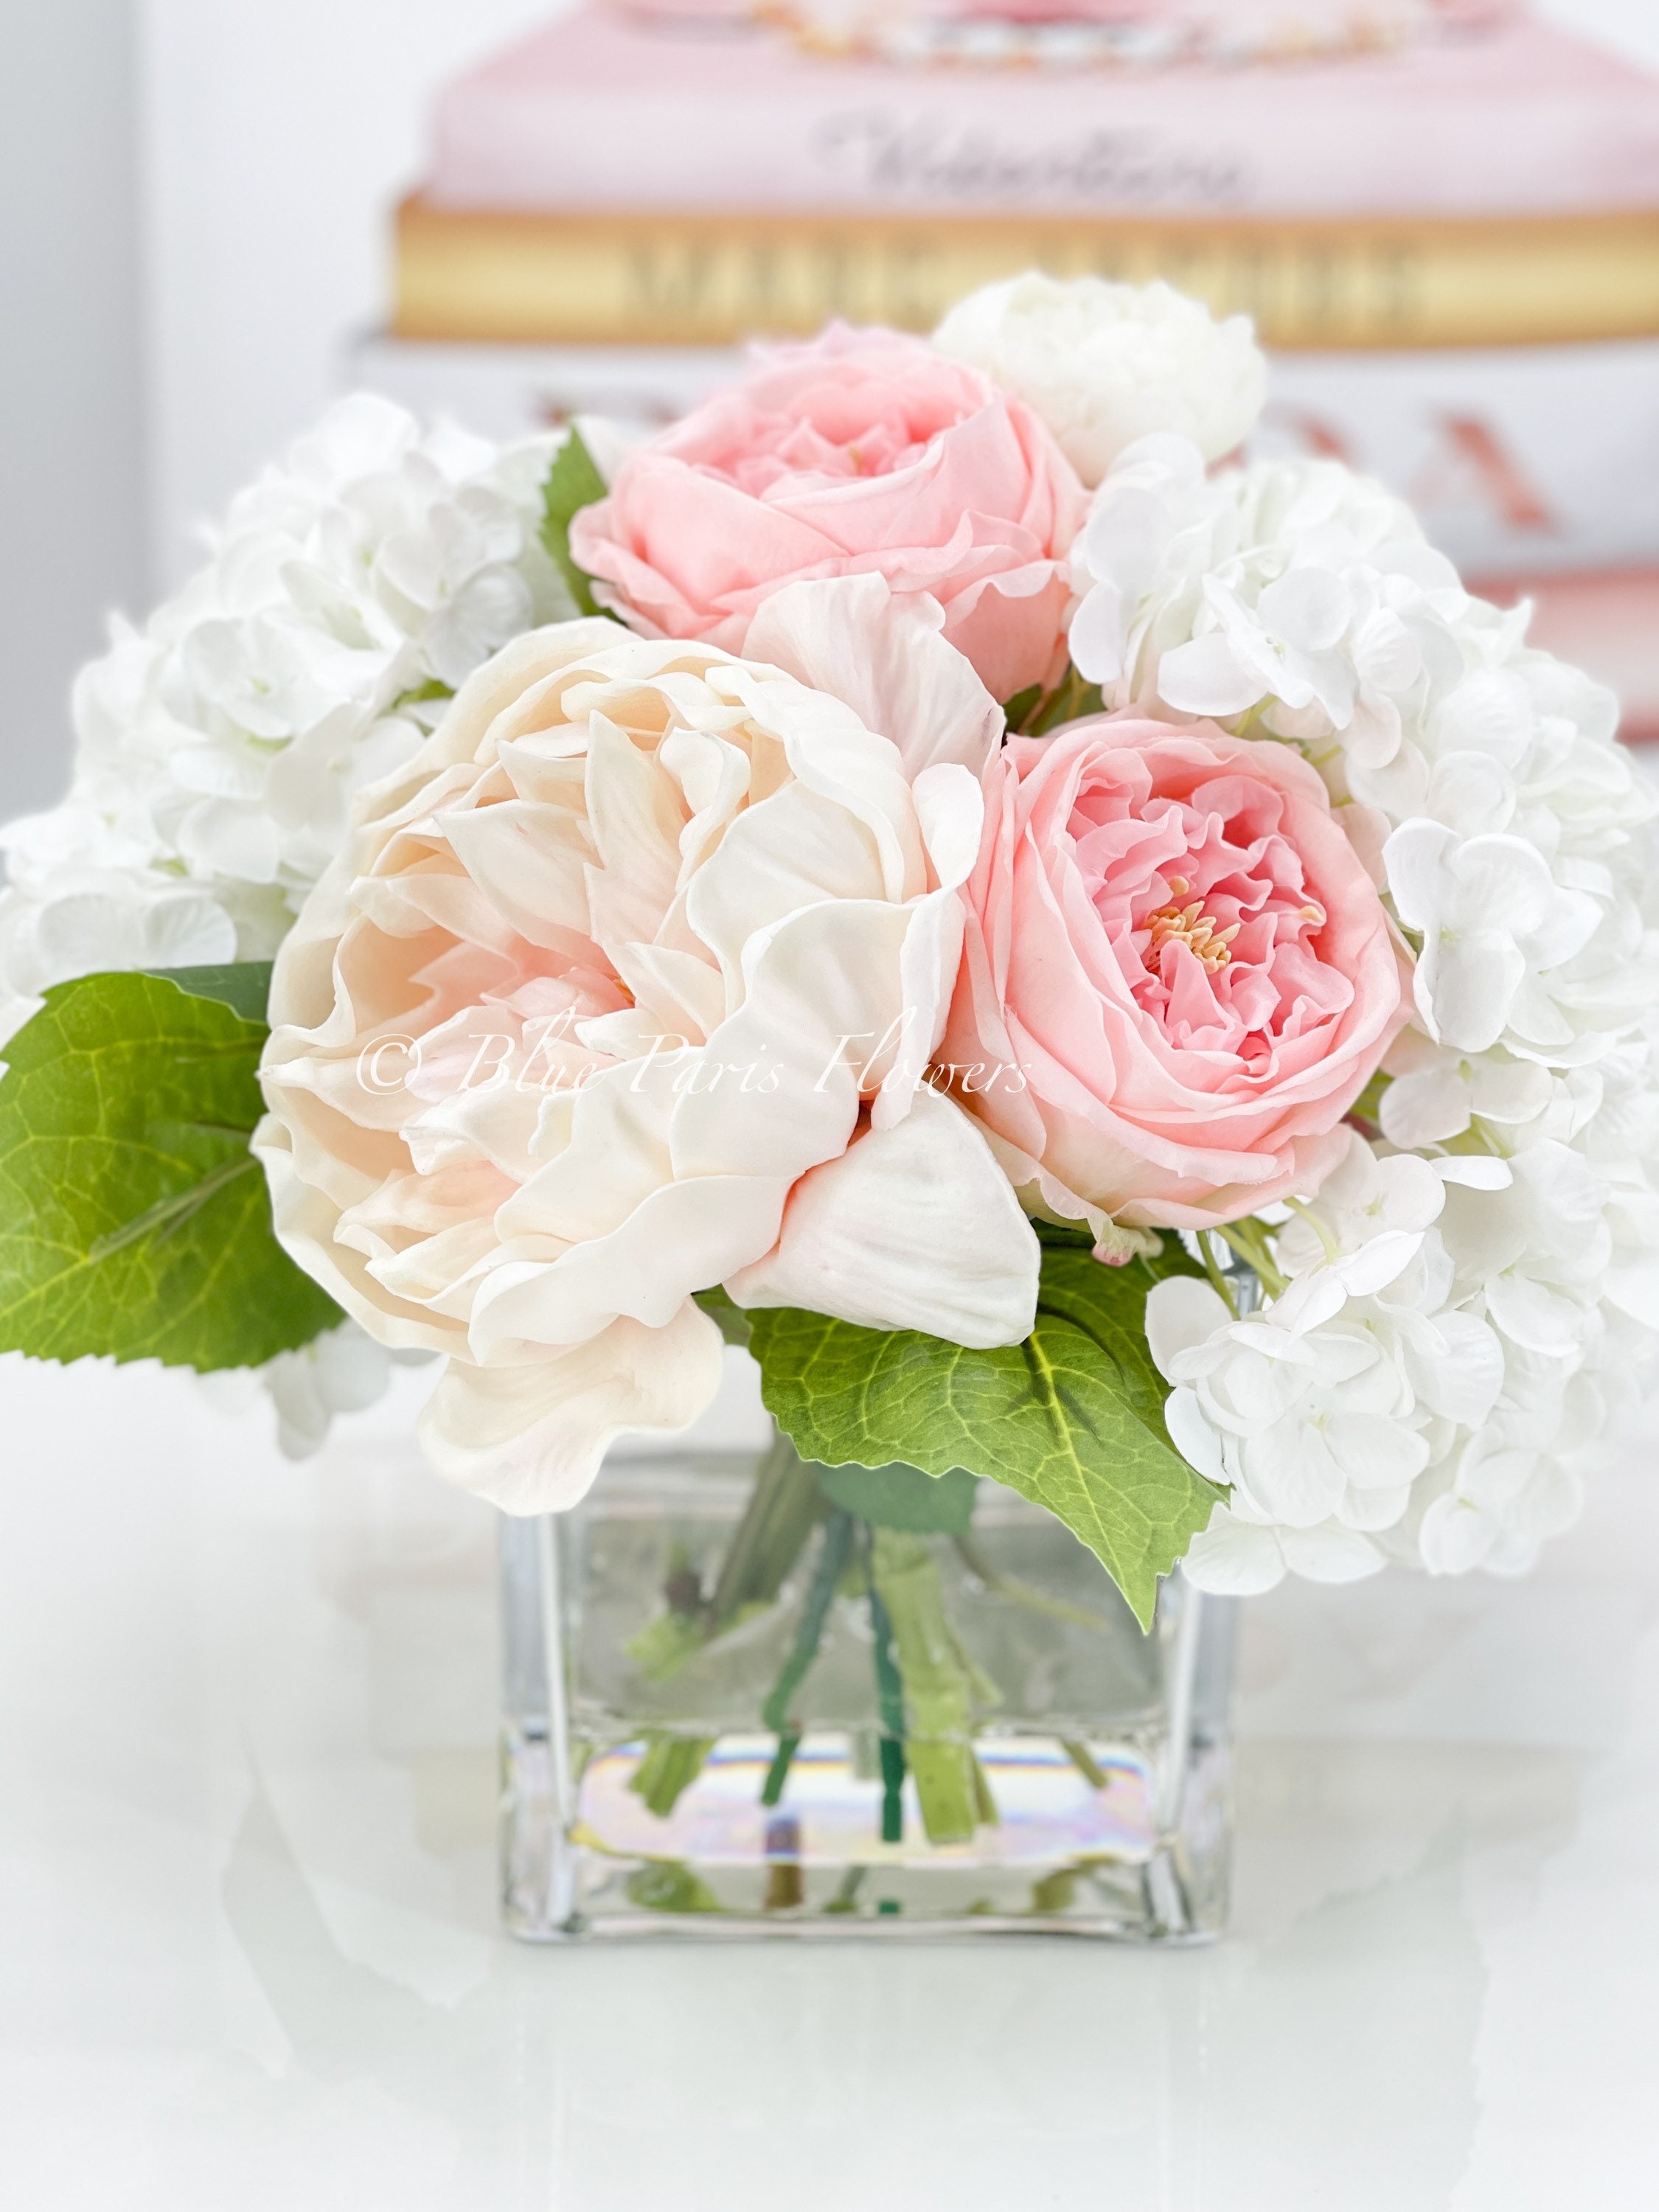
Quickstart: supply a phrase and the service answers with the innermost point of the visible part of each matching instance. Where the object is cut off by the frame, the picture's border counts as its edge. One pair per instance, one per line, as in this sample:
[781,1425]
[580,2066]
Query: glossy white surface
[248,1957]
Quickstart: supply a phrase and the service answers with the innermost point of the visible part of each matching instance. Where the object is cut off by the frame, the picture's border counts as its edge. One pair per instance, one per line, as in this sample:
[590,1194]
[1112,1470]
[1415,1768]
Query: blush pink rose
[1180,966]
[863,452]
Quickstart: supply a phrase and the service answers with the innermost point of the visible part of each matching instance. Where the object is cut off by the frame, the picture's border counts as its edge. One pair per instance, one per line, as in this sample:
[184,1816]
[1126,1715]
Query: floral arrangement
[1100,962]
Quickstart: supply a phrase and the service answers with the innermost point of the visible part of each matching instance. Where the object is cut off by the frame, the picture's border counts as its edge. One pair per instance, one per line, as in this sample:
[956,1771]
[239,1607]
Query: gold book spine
[711,279]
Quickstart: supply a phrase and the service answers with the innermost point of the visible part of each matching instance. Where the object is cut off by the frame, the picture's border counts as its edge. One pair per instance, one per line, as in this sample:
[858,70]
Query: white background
[250,1958]
[194,197]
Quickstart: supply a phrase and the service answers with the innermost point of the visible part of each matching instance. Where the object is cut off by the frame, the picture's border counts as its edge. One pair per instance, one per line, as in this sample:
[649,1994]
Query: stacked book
[1442,215]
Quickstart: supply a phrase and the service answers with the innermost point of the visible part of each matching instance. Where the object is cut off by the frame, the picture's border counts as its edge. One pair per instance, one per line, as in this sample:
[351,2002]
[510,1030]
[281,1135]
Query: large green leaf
[730,1319]
[1071,1419]
[900,1497]
[572,482]
[134,1220]
[244,986]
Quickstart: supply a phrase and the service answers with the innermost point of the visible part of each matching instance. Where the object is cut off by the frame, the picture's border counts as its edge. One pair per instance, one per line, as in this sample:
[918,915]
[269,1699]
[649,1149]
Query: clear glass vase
[734,1707]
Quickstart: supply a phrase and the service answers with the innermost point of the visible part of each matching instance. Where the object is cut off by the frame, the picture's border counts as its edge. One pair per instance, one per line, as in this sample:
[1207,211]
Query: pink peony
[1180,967]
[862,452]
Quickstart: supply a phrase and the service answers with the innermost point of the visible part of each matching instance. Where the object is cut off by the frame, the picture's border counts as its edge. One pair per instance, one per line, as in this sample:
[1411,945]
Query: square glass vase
[734,1707]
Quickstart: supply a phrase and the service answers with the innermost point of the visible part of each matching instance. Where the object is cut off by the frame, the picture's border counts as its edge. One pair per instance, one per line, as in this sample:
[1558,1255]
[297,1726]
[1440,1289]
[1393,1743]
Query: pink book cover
[1454,111]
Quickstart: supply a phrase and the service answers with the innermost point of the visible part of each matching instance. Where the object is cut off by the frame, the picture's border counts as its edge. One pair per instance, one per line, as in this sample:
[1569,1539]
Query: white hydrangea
[1224,594]
[218,747]
[341,1372]
[1324,1410]
[1106,364]
[1455,1338]
[1484,783]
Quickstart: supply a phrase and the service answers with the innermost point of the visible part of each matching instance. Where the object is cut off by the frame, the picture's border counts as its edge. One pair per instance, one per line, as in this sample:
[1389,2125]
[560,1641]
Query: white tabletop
[249,1958]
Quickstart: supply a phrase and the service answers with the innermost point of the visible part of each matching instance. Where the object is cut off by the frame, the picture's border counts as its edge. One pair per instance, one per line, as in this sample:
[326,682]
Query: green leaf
[1068,1235]
[244,986]
[900,1497]
[1068,703]
[429,693]
[134,1220]
[1016,709]
[572,482]
[1072,1419]
[732,1320]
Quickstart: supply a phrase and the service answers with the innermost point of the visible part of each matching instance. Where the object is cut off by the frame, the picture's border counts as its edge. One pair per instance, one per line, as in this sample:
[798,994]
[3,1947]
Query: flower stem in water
[832,1560]
[890,1704]
[781,1513]
[938,1688]
[671,1765]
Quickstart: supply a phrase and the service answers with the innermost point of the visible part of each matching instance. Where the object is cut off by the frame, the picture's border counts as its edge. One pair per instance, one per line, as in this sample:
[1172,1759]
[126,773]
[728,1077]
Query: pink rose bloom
[1180,966]
[862,453]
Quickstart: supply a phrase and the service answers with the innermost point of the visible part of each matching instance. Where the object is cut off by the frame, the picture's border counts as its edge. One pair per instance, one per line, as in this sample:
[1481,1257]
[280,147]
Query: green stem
[1252,1249]
[938,1689]
[892,1790]
[845,1898]
[832,1561]
[778,1772]
[984,1803]
[782,1511]
[1223,1288]
[1055,1892]
[666,1886]
[784,1507]
[775,1713]
[671,1765]
[1085,1761]
[1332,1251]
[1018,1593]
[890,1705]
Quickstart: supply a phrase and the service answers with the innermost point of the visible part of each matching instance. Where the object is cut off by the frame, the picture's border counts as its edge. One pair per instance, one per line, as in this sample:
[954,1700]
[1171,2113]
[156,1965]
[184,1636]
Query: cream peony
[627,988]
[1104,364]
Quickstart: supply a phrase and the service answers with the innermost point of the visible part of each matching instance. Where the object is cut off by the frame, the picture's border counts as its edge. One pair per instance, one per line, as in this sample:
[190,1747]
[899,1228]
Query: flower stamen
[1190,925]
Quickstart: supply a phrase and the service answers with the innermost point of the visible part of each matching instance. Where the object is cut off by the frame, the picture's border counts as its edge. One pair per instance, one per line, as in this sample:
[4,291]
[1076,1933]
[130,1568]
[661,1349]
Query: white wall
[278,135]
[1629,27]
[71,538]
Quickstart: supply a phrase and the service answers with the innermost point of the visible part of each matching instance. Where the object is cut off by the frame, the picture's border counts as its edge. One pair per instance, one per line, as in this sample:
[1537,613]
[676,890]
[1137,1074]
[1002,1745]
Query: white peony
[1104,364]
[628,988]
